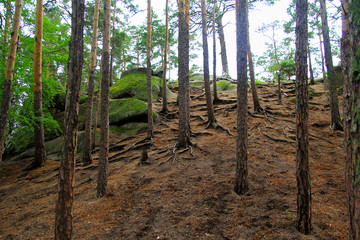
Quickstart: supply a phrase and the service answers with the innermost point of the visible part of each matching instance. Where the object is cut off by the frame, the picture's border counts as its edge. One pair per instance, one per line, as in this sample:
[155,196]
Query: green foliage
[259,82]
[135,85]
[225,85]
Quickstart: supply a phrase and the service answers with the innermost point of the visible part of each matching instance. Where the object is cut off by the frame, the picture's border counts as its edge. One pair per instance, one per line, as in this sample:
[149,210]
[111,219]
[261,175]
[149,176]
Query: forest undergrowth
[189,194]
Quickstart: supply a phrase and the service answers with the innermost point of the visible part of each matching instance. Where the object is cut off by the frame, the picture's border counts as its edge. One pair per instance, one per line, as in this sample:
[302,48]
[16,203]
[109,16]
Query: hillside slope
[189,195]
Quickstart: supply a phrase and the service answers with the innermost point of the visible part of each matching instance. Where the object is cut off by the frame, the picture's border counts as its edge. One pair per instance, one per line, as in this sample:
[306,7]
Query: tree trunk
[241,179]
[164,94]
[312,80]
[302,154]
[96,113]
[112,46]
[104,112]
[216,98]
[86,158]
[5,101]
[64,205]
[350,63]
[220,29]
[148,75]
[40,151]
[257,106]
[336,123]
[321,49]
[209,102]
[184,98]
[7,21]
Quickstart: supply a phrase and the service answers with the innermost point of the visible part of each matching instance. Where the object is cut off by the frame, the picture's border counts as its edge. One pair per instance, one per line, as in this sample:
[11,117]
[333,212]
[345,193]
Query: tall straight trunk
[64,205]
[184,95]
[112,46]
[257,106]
[224,61]
[321,48]
[148,72]
[5,101]
[104,112]
[336,123]
[350,63]
[209,102]
[7,21]
[96,113]
[86,158]
[302,153]
[241,179]
[40,151]
[164,94]
[312,80]
[216,98]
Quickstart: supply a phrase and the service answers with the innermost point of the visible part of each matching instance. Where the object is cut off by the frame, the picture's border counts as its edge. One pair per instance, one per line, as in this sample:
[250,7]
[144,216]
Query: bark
[148,75]
[64,205]
[5,101]
[112,46]
[96,113]
[302,153]
[216,98]
[257,106]
[336,123]
[350,61]
[312,80]
[224,61]
[241,179]
[86,158]
[104,112]
[209,102]
[321,49]
[7,21]
[164,94]
[40,151]
[184,98]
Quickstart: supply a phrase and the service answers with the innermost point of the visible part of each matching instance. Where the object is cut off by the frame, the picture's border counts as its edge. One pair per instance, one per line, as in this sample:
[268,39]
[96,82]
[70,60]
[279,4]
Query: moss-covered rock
[135,86]
[129,129]
[225,85]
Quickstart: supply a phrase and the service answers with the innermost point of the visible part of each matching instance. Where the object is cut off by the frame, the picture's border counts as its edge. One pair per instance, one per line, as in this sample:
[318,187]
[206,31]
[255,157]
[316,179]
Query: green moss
[225,85]
[292,100]
[196,76]
[313,93]
[129,129]
[135,86]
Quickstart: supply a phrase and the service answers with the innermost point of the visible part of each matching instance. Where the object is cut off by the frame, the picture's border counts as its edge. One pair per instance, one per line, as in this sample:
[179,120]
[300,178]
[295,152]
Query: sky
[261,14]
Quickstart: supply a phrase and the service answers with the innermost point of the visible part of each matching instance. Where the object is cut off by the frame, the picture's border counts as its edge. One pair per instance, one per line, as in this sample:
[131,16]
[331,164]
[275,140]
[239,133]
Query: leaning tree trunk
[224,61]
[5,101]
[40,151]
[104,113]
[216,98]
[312,80]
[209,102]
[302,153]
[64,205]
[148,72]
[7,21]
[184,99]
[241,179]
[164,92]
[336,123]
[257,106]
[86,158]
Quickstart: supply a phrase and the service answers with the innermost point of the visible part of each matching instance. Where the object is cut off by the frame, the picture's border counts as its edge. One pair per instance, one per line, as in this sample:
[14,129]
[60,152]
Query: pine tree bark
[241,178]
[112,47]
[164,93]
[302,153]
[184,95]
[104,112]
[350,65]
[64,205]
[321,46]
[5,100]
[148,72]
[86,158]
[216,97]
[209,102]
[96,113]
[257,106]
[224,61]
[312,80]
[40,150]
[7,4]
[336,123]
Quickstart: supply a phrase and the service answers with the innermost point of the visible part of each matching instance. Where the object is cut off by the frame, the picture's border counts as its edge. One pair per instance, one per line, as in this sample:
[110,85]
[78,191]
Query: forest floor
[191,196]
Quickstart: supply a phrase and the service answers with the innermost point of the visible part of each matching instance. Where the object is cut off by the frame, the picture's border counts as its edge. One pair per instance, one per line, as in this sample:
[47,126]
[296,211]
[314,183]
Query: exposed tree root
[216,126]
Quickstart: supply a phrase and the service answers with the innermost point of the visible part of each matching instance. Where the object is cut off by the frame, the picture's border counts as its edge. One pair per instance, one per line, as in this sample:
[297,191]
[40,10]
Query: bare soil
[191,196]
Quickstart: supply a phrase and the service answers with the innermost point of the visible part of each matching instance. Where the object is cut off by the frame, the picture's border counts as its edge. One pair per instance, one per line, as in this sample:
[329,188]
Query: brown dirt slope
[191,196]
